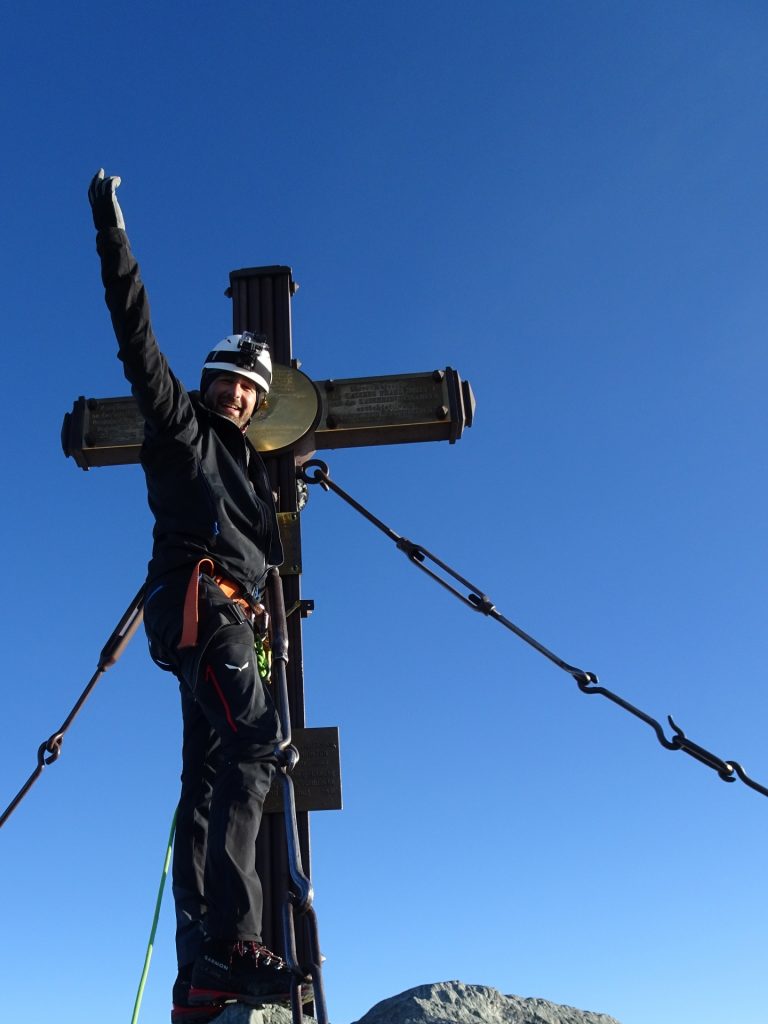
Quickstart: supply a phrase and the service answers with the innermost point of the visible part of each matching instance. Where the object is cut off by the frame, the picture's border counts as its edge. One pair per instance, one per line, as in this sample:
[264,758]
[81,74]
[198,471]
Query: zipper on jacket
[211,500]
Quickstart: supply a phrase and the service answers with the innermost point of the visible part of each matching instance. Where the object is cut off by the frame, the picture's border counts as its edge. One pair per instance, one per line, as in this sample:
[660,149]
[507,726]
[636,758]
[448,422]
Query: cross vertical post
[261,300]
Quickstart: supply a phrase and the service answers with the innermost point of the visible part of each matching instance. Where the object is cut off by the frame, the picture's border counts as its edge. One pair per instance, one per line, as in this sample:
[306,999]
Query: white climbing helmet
[246,354]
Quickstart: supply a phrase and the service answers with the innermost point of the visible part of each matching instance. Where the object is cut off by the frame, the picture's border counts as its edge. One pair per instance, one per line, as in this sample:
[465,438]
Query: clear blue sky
[567,202]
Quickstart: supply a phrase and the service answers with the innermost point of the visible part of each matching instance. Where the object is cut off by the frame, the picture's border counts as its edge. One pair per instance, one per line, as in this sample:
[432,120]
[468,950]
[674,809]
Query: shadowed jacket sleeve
[162,400]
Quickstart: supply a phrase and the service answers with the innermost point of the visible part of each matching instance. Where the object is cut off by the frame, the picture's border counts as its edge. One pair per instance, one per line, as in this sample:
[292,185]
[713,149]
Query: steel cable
[50,749]
[727,770]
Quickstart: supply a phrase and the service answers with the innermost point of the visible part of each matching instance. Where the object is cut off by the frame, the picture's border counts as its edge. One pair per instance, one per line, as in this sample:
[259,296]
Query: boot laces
[260,954]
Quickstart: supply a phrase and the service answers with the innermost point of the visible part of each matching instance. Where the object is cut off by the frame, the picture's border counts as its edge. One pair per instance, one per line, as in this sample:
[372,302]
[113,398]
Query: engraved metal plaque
[393,410]
[368,403]
[317,776]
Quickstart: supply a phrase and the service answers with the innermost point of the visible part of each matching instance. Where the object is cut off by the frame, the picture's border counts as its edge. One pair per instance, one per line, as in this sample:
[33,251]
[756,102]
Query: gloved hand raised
[104,205]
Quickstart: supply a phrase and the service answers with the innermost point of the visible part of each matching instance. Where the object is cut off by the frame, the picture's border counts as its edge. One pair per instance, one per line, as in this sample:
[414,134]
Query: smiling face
[233,396]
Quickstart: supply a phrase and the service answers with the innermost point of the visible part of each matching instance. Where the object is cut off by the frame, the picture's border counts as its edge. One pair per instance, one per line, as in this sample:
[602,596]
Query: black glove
[104,205]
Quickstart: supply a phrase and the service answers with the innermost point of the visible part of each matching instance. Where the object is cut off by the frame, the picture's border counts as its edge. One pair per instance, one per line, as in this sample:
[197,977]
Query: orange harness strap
[190,617]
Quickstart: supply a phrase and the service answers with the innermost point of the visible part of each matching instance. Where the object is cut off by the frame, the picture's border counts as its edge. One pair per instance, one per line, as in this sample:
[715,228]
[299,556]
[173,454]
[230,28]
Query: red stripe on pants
[210,676]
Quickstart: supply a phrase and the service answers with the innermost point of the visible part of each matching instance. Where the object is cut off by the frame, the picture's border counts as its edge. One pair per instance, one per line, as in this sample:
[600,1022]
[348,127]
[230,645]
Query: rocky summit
[445,1002]
[453,1002]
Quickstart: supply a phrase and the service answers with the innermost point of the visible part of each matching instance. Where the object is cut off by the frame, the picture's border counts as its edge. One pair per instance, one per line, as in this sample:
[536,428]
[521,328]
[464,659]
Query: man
[215,537]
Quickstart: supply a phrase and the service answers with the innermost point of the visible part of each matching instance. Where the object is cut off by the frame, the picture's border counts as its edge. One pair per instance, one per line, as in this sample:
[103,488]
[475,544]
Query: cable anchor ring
[316,478]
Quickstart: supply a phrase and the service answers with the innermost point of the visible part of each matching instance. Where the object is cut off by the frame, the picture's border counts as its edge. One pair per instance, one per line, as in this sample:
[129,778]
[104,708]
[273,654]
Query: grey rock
[453,1002]
[275,1014]
[237,1013]
[279,1015]
[445,1002]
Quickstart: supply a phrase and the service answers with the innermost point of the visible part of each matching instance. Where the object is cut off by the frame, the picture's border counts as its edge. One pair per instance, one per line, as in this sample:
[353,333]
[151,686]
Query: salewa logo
[236,668]
[216,963]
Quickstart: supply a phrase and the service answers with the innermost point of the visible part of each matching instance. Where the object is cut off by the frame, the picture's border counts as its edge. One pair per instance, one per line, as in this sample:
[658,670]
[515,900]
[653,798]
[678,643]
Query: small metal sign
[317,776]
[290,538]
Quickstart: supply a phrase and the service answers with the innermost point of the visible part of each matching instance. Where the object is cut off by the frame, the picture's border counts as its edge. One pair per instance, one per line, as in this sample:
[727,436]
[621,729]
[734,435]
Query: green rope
[150,944]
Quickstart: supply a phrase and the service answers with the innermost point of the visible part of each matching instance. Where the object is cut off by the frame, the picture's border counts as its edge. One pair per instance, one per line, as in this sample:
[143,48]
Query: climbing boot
[243,971]
[182,1011]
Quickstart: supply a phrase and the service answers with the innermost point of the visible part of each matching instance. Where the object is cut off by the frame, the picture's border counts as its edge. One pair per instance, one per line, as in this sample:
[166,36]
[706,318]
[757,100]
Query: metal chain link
[474,598]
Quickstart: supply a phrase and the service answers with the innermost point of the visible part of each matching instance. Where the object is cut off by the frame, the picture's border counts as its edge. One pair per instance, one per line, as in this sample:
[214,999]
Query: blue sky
[566,202]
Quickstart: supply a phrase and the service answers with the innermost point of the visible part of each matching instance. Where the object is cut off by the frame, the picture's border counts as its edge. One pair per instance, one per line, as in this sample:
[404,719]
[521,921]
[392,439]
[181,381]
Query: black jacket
[207,486]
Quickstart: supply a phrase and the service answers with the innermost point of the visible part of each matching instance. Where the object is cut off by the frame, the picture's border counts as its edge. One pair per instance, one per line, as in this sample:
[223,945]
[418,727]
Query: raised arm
[163,402]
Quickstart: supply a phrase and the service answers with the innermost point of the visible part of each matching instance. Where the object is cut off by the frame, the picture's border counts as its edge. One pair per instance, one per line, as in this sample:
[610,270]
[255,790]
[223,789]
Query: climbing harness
[475,599]
[253,610]
[50,750]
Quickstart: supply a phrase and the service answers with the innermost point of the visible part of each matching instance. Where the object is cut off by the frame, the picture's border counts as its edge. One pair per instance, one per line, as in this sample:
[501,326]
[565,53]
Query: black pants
[230,731]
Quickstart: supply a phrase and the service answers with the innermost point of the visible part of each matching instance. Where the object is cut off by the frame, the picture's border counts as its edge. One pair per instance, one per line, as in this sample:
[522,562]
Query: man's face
[233,396]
